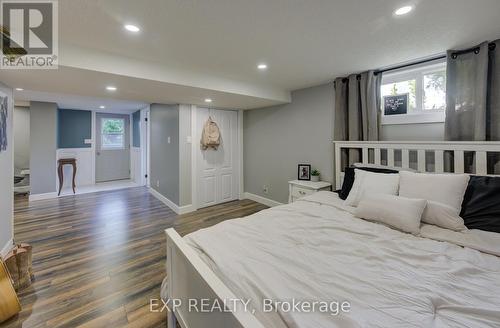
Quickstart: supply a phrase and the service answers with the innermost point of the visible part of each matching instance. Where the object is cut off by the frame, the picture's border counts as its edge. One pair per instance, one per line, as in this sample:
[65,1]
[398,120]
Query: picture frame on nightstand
[304,172]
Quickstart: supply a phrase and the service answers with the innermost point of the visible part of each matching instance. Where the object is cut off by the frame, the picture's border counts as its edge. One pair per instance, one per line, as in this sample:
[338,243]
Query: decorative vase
[314,178]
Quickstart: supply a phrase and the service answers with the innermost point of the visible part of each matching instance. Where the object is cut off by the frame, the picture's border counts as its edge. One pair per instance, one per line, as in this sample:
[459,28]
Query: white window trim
[419,116]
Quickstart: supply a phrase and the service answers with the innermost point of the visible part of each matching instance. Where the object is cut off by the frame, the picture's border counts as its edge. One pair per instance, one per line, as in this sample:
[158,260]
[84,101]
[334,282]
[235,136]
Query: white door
[112,147]
[218,170]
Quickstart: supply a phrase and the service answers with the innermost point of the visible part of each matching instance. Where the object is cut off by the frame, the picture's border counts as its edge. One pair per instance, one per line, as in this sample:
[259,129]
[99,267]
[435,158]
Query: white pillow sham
[368,183]
[444,193]
[443,216]
[398,212]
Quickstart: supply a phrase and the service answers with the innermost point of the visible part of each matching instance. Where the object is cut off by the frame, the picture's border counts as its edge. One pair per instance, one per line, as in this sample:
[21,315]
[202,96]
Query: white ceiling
[211,47]
[69,101]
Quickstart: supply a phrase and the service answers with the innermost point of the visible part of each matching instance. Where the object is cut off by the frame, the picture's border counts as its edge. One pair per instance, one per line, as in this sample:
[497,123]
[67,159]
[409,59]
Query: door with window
[218,170]
[112,147]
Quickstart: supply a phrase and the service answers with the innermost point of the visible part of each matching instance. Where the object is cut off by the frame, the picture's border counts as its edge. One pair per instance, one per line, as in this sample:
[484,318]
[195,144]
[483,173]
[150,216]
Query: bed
[316,250]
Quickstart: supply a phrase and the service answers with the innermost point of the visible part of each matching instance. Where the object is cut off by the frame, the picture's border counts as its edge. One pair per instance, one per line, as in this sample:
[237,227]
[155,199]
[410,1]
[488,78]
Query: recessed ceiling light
[132,28]
[208,100]
[19,89]
[403,10]
[262,67]
[111,88]
[102,107]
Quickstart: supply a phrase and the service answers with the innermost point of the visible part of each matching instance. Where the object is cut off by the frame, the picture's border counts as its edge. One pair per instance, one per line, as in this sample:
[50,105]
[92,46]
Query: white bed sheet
[316,250]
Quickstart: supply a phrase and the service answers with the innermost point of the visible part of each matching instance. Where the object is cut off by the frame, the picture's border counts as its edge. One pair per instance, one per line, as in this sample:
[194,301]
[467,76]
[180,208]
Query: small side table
[60,163]
[299,188]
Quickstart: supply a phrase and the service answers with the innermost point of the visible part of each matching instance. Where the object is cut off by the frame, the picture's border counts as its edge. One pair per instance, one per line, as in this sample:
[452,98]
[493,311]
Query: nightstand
[299,188]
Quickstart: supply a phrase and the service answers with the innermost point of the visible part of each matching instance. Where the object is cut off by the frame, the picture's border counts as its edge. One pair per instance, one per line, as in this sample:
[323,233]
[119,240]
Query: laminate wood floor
[98,258]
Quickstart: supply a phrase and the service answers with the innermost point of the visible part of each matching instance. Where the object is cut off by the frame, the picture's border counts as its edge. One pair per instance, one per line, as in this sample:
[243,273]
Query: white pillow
[443,216]
[398,212]
[444,193]
[368,183]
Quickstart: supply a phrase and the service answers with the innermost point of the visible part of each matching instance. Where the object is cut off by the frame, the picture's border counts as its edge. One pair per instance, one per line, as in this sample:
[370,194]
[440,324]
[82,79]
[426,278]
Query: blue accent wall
[73,127]
[136,129]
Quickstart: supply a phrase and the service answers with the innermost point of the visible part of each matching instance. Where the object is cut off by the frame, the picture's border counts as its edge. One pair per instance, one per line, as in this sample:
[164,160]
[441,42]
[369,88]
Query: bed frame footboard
[190,282]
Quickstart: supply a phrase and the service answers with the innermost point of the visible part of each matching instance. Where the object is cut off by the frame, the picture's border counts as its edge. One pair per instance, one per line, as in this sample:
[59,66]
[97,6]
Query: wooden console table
[60,163]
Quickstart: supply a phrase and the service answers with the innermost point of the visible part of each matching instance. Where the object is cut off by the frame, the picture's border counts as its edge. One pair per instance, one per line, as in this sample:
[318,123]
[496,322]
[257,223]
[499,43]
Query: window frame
[103,146]
[419,115]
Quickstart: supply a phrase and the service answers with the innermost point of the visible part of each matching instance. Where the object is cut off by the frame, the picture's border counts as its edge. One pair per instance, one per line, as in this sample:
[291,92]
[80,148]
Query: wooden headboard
[371,152]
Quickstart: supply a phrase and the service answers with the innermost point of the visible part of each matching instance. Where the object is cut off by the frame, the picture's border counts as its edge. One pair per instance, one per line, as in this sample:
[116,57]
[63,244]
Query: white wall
[21,138]
[6,178]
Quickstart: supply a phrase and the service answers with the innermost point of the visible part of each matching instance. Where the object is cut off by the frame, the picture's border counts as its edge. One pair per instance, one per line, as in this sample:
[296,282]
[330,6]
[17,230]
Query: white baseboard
[174,207]
[48,195]
[262,200]
[187,209]
[6,248]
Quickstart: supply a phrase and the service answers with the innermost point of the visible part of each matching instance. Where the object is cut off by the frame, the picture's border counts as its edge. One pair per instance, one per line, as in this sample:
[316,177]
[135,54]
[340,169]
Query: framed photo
[4,103]
[396,105]
[304,172]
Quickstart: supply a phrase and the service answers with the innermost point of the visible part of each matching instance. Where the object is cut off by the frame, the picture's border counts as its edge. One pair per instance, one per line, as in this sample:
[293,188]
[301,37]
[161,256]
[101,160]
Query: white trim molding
[414,118]
[48,195]
[6,248]
[262,200]
[174,207]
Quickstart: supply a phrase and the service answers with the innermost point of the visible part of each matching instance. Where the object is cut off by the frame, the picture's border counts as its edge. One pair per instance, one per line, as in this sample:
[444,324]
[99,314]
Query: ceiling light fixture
[403,10]
[111,88]
[102,107]
[262,67]
[208,100]
[132,28]
[19,89]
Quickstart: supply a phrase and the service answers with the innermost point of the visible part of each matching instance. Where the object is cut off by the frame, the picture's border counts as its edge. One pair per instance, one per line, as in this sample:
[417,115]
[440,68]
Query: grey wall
[21,138]
[184,155]
[136,129]
[43,146]
[165,156]
[73,127]
[7,176]
[277,139]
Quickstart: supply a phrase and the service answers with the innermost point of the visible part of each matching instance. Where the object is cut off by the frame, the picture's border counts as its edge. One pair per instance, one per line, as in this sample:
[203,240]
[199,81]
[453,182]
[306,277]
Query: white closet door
[218,175]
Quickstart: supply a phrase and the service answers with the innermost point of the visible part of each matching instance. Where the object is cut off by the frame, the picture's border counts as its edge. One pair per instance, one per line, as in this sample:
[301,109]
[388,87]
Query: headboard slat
[480,149]
[439,161]
[481,162]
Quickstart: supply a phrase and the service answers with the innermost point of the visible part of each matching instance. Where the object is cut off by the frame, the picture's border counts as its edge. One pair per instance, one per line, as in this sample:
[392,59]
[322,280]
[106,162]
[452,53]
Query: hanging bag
[210,136]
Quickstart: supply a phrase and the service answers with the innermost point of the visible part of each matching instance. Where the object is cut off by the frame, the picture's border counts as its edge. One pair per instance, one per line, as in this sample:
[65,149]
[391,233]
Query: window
[112,133]
[426,90]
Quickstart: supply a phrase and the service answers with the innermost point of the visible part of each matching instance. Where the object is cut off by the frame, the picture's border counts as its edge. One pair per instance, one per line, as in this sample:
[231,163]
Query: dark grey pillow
[481,204]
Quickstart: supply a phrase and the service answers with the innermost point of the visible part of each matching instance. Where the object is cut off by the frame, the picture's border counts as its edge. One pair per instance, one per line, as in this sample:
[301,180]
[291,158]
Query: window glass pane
[400,88]
[112,125]
[112,133]
[435,91]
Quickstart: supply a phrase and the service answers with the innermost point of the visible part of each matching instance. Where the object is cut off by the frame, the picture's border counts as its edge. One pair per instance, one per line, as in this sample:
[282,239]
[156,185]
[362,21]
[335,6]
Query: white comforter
[315,250]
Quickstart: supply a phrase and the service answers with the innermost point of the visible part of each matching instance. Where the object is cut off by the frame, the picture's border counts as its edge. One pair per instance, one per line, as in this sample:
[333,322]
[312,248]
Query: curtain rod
[491,47]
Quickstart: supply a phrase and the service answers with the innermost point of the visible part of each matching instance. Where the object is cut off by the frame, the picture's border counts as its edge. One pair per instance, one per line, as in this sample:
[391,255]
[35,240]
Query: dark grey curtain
[473,94]
[357,104]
